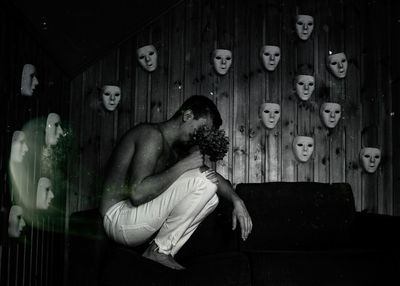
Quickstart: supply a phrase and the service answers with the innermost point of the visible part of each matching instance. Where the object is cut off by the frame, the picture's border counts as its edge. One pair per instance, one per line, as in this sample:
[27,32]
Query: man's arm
[143,184]
[239,212]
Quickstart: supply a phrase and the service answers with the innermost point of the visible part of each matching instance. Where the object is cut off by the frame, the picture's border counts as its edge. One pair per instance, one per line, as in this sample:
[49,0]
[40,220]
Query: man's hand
[192,161]
[240,214]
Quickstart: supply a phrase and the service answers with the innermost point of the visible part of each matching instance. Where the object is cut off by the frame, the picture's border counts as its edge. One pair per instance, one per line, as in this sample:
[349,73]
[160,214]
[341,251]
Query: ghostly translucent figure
[29,80]
[111,95]
[304,26]
[303,147]
[147,57]
[16,222]
[330,114]
[370,158]
[337,64]
[18,147]
[44,194]
[270,114]
[305,85]
[270,56]
[222,60]
[53,129]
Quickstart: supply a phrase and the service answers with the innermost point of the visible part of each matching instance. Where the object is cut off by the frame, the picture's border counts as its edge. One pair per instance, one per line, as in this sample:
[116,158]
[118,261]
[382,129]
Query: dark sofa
[303,234]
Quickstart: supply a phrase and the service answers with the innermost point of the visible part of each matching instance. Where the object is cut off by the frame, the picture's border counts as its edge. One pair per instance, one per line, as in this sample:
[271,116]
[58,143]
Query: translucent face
[111,96]
[338,64]
[29,80]
[270,114]
[270,56]
[222,60]
[53,129]
[370,159]
[304,26]
[44,194]
[330,114]
[303,147]
[16,222]
[305,85]
[147,57]
[18,147]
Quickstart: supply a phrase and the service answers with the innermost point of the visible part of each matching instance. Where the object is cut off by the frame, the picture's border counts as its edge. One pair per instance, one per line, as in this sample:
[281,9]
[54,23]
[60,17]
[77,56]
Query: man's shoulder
[145,131]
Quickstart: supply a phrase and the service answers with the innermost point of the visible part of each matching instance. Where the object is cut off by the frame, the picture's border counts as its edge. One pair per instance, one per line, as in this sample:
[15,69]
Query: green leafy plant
[212,142]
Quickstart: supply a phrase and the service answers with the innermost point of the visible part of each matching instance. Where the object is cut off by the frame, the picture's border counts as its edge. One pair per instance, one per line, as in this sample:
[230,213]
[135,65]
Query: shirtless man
[154,184]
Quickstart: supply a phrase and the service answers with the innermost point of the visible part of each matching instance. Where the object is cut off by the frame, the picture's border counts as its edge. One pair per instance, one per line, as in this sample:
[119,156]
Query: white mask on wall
[370,159]
[270,56]
[16,222]
[304,26]
[53,129]
[18,147]
[222,60]
[338,64]
[29,80]
[330,114]
[270,114]
[305,85]
[111,95]
[303,147]
[147,57]
[44,194]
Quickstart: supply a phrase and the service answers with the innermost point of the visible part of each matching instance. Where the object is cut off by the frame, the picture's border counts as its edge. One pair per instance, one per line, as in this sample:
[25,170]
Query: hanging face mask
[111,96]
[304,26]
[44,194]
[330,114]
[305,85]
[18,147]
[16,222]
[338,64]
[147,57]
[29,80]
[303,147]
[270,57]
[270,114]
[53,129]
[222,60]
[370,159]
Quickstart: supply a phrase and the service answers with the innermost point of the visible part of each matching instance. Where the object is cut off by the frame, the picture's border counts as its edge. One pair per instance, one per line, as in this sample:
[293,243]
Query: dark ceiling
[77,32]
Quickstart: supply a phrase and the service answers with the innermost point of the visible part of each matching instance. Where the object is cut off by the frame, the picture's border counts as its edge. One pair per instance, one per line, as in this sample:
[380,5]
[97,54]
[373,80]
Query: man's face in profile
[191,125]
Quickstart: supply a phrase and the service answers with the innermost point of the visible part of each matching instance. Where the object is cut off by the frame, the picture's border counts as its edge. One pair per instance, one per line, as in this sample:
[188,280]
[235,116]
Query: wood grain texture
[185,38]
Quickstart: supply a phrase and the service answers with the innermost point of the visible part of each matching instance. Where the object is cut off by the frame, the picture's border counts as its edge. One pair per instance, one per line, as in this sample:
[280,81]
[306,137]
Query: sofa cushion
[298,215]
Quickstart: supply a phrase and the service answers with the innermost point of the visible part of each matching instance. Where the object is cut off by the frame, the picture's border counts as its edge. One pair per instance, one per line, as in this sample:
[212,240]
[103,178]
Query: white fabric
[176,213]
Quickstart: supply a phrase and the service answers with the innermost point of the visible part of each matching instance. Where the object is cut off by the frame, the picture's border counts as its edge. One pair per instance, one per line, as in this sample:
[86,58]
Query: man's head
[197,111]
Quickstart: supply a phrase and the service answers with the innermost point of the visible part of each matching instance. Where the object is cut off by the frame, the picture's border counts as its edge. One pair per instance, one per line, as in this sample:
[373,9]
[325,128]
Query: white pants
[176,213]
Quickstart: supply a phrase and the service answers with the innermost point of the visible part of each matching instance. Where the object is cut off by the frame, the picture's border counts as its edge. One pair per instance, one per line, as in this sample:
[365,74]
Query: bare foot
[164,259]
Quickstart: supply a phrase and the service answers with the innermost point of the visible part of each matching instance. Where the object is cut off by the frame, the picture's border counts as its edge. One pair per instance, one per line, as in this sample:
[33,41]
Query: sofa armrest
[377,230]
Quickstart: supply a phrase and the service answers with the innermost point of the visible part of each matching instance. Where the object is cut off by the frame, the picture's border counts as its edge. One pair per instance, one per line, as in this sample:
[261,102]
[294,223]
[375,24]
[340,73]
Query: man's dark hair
[201,106]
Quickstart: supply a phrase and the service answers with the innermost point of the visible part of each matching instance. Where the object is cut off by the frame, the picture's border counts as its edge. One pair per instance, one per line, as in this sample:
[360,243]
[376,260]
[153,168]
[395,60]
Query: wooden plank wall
[36,258]
[186,36]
